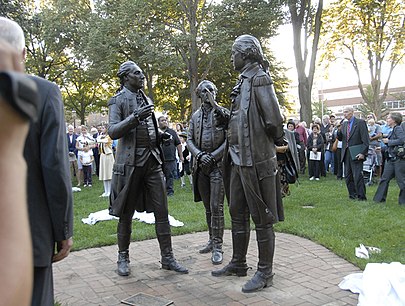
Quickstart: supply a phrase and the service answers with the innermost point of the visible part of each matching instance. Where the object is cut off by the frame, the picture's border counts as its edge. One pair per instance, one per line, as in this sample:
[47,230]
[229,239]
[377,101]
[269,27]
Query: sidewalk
[305,274]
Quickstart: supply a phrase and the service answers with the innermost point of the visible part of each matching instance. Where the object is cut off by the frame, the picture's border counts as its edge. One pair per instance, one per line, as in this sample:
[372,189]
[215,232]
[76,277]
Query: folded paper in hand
[314,155]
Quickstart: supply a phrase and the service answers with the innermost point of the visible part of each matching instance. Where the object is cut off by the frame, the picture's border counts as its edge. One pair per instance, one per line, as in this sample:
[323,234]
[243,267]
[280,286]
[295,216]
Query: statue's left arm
[269,107]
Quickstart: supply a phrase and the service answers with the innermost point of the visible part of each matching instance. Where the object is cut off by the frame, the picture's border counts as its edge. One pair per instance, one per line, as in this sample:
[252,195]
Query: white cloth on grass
[380,284]
[149,218]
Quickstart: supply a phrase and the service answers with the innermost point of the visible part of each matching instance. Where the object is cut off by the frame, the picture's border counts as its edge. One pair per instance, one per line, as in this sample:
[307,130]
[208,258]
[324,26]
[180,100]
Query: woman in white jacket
[106,160]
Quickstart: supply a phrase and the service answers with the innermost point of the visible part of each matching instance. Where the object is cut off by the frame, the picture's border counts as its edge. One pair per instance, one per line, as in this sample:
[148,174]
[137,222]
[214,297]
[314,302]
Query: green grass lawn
[317,210]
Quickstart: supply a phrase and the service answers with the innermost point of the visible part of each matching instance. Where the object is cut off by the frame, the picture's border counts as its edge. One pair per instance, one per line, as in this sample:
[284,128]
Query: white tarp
[149,218]
[380,284]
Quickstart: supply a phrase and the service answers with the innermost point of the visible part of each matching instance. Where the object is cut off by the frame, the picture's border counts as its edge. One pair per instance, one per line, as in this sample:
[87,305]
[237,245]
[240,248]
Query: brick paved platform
[305,274]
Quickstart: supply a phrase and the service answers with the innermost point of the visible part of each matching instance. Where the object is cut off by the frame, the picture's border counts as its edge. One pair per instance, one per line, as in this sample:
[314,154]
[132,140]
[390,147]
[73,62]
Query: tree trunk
[299,22]
[304,93]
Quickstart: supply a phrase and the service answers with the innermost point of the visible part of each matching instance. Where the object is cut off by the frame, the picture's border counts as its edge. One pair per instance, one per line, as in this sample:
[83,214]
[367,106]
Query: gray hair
[348,108]
[397,117]
[12,33]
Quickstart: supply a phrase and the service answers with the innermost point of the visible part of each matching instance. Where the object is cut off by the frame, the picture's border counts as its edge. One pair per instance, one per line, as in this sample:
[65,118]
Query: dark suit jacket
[72,144]
[48,176]
[358,135]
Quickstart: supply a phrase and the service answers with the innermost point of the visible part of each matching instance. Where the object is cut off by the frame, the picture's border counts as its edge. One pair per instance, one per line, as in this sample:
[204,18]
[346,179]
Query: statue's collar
[130,94]
[250,70]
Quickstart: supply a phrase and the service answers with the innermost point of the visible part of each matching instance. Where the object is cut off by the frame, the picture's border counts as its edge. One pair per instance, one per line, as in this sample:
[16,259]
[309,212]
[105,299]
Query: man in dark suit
[18,100]
[49,189]
[355,141]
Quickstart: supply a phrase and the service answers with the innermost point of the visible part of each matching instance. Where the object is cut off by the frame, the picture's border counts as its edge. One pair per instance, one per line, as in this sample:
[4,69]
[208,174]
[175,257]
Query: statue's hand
[207,163]
[144,112]
[206,160]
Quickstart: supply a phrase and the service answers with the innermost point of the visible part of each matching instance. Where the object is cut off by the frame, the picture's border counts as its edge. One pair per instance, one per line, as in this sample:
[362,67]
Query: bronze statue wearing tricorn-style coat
[138,180]
[251,179]
[206,142]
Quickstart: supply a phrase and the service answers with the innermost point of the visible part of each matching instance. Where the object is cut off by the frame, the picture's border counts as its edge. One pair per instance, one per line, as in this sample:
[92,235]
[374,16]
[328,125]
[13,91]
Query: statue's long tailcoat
[122,127]
[260,124]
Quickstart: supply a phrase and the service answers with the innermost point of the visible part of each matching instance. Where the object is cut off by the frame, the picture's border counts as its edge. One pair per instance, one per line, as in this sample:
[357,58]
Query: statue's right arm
[119,126]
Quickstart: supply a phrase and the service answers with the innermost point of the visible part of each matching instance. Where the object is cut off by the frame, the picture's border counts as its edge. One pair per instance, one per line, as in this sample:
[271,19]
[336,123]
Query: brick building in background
[335,99]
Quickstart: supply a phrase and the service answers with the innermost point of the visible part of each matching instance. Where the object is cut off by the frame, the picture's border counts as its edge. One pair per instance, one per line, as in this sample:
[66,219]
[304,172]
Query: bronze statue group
[234,154]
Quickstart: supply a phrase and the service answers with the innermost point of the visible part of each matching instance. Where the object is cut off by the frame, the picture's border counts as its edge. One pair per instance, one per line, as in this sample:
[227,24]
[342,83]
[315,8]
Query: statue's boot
[240,242]
[217,234]
[124,239]
[165,242]
[264,275]
[208,247]
[123,263]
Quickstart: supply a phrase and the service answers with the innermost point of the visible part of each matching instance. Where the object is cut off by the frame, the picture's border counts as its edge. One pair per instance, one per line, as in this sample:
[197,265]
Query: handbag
[335,145]
[290,171]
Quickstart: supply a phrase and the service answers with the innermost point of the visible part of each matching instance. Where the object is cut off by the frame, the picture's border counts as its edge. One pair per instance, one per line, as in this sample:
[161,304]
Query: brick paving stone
[306,274]
[262,303]
[249,299]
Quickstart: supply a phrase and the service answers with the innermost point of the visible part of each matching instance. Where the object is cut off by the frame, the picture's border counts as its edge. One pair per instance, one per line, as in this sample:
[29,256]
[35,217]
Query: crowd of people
[91,154]
[358,150]
[244,154]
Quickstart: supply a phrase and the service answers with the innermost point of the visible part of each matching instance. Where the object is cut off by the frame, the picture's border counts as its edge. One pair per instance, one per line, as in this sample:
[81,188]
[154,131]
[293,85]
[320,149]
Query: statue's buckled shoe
[172,264]
[232,269]
[259,281]
[217,257]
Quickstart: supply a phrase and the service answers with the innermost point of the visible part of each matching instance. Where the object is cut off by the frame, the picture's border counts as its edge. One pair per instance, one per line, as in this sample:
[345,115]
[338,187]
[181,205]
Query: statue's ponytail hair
[250,47]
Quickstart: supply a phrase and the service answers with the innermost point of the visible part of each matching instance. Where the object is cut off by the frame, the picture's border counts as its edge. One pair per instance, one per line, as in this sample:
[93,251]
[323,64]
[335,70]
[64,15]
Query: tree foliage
[370,32]
[180,43]
[176,43]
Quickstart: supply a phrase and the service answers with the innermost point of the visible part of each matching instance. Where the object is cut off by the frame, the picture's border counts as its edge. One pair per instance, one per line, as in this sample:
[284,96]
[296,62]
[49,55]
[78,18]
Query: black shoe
[172,264]
[216,257]
[259,281]
[207,248]
[232,269]
[123,263]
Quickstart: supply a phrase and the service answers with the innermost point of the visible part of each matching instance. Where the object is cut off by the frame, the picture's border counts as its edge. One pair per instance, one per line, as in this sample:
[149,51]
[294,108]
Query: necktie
[347,134]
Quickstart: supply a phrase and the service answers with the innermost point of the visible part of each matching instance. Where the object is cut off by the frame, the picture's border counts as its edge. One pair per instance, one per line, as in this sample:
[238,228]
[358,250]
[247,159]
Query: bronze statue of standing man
[138,181]
[250,165]
[206,142]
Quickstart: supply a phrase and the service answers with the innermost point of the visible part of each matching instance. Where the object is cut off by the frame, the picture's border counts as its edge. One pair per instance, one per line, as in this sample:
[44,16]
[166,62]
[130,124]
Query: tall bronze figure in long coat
[206,142]
[251,182]
[138,180]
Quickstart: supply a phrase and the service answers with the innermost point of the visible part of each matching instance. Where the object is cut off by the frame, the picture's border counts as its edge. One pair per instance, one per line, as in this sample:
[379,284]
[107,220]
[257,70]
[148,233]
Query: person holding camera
[395,160]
